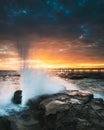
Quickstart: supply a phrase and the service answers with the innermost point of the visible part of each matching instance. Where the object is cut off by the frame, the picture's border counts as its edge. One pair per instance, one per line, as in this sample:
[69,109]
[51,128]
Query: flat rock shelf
[70,110]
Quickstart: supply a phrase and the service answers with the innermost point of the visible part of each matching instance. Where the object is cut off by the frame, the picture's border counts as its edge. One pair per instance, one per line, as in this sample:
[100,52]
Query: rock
[83,124]
[5,124]
[71,110]
[77,77]
[17,97]
[26,120]
[54,106]
[81,96]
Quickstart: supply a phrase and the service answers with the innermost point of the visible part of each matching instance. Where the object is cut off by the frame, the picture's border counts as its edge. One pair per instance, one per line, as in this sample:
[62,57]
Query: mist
[37,82]
[22,48]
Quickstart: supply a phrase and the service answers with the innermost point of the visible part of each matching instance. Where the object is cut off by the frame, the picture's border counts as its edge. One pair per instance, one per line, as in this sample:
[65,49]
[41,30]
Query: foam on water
[97,95]
[7,90]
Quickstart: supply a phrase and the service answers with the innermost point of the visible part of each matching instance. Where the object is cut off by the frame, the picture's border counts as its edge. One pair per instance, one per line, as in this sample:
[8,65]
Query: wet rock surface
[5,124]
[71,110]
[17,97]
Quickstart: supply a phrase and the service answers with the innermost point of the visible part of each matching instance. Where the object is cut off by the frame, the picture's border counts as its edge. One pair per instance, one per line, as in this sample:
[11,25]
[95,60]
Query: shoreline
[72,110]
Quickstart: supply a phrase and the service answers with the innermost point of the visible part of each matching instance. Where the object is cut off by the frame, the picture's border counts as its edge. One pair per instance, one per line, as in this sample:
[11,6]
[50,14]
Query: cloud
[49,18]
[79,24]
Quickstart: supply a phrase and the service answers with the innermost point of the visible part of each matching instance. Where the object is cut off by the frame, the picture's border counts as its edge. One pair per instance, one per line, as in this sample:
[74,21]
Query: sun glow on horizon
[48,53]
[17,63]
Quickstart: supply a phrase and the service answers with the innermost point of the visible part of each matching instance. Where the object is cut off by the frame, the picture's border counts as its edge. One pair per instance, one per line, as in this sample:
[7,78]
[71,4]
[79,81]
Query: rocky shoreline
[70,110]
[79,75]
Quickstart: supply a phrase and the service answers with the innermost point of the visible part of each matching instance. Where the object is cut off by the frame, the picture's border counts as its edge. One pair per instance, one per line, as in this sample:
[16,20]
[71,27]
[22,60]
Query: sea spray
[36,82]
[7,90]
[22,48]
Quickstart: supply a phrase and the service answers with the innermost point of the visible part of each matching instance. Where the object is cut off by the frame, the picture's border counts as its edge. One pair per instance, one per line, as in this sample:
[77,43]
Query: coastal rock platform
[70,110]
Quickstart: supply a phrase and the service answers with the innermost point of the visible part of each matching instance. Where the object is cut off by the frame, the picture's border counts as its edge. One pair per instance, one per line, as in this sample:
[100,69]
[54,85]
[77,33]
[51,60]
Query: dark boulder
[17,98]
[5,124]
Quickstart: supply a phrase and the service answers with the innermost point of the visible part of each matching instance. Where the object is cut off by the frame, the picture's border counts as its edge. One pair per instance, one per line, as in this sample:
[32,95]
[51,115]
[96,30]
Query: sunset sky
[52,33]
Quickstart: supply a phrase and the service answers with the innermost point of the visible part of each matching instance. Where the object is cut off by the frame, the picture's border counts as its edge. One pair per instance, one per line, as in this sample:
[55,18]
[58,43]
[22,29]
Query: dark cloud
[76,20]
[40,15]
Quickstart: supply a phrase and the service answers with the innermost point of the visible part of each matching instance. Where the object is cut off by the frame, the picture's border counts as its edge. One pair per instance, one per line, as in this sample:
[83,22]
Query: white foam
[6,92]
[34,83]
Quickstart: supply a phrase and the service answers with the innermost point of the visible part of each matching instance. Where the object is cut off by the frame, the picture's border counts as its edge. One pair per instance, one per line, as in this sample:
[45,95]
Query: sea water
[95,86]
[34,83]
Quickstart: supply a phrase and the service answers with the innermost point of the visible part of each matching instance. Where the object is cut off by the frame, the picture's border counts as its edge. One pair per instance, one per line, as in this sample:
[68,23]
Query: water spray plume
[36,83]
[33,82]
[23,48]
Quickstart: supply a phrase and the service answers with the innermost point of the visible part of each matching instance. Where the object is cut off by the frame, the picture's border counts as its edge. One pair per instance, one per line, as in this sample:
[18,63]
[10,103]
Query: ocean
[95,86]
[10,82]
[34,85]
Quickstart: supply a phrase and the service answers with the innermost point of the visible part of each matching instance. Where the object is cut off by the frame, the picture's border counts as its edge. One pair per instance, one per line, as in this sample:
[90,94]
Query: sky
[52,33]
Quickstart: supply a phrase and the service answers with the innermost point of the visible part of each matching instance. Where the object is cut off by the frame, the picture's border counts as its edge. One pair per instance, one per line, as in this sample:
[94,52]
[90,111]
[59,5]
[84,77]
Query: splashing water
[35,83]
[7,90]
